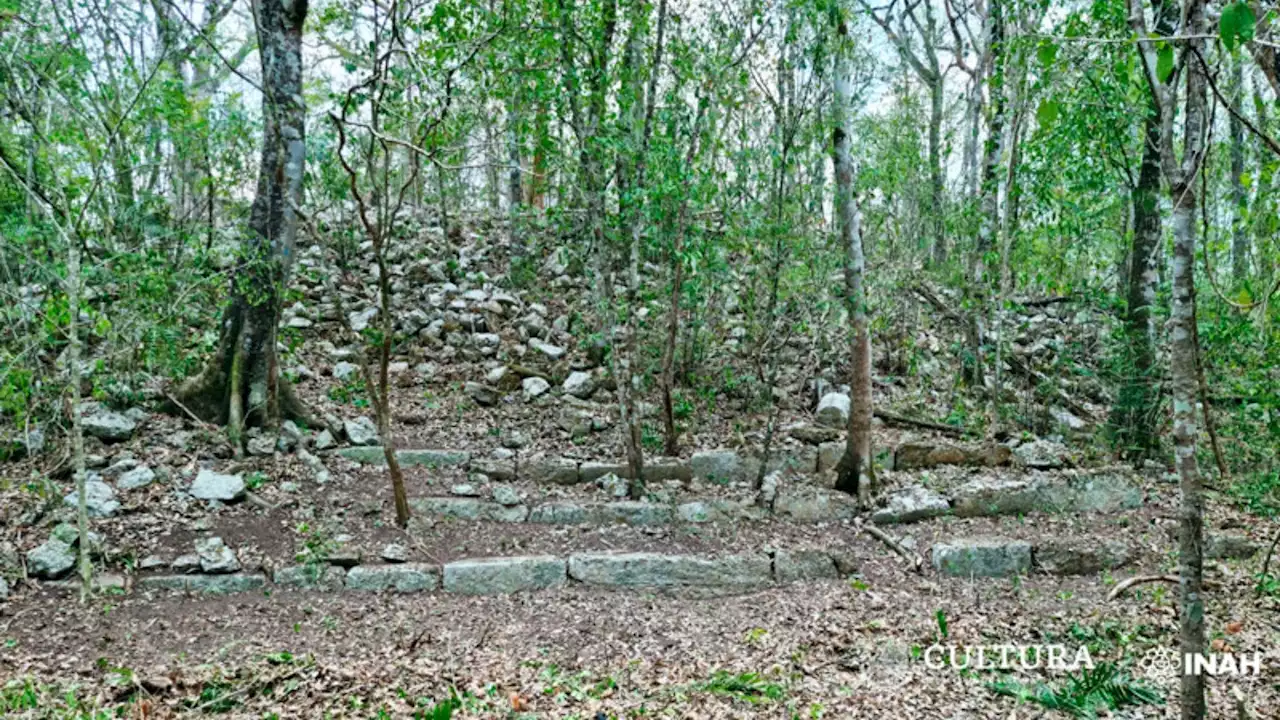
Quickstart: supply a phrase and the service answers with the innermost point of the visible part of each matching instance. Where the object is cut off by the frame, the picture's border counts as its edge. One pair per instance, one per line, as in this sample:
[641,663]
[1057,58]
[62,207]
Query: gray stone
[152,562]
[700,511]
[186,563]
[1230,547]
[797,565]
[911,504]
[579,384]
[534,387]
[100,499]
[1079,556]
[551,471]
[1042,454]
[469,509]
[495,469]
[465,490]
[51,560]
[215,557]
[659,469]
[1102,491]
[833,410]
[922,455]
[483,395]
[633,512]
[108,426]
[558,513]
[553,352]
[406,577]
[210,485]
[119,467]
[655,570]
[829,455]
[802,505]
[814,434]
[992,496]
[591,471]
[721,466]
[206,584]
[506,495]
[4,589]
[312,576]
[407,458]
[395,553]
[345,370]
[613,486]
[319,472]
[261,446]
[504,575]
[323,440]
[361,431]
[138,477]
[982,557]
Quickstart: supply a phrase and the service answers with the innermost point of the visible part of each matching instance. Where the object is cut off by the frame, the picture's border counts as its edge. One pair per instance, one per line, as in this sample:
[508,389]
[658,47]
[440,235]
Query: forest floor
[842,647]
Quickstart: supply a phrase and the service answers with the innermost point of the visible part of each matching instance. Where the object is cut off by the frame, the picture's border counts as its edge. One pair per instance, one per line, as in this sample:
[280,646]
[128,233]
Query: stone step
[800,504]
[1105,490]
[963,557]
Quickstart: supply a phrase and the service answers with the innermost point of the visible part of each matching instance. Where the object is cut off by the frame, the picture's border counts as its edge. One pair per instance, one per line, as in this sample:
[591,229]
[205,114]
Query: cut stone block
[655,570]
[500,576]
[404,577]
[982,557]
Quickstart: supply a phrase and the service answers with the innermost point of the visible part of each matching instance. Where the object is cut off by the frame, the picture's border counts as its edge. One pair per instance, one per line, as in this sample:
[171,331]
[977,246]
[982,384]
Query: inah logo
[1165,664]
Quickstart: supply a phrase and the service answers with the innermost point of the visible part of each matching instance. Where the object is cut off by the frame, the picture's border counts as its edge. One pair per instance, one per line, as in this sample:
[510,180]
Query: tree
[241,383]
[1163,73]
[929,69]
[856,462]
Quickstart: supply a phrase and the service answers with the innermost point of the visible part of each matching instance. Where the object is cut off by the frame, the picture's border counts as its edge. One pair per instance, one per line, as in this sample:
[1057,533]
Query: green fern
[1083,695]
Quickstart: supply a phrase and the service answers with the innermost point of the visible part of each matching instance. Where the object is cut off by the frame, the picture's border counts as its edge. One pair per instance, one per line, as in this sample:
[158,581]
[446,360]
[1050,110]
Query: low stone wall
[505,575]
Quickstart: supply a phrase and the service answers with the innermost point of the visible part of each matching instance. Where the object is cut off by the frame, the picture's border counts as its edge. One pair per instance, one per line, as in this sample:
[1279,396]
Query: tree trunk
[1239,199]
[990,208]
[77,435]
[1182,351]
[1134,417]
[937,209]
[241,383]
[515,194]
[856,462]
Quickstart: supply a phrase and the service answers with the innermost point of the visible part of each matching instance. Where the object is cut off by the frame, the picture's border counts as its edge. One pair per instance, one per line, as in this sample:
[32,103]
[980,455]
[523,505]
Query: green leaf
[1237,25]
[1047,52]
[1164,62]
[1047,113]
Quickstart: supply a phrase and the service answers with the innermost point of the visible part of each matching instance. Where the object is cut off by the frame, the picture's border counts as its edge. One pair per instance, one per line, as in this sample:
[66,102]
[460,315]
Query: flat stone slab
[403,577]
[654,570]
[373,455]
[325,577]
[551,471]
[982,557]
[982,497]
[465,508]
[796,565]
[911,504]
[632,512]
[804,506]
[911,456]
[559,513]
[1079,556]
[504,575]
[206,584]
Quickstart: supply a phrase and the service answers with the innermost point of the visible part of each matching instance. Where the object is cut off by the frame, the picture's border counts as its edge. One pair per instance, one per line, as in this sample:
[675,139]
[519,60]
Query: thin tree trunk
[515,194]
[1134,416]
[989,227]
[856,463]
[937,208]
[77,435]
[1239,199]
